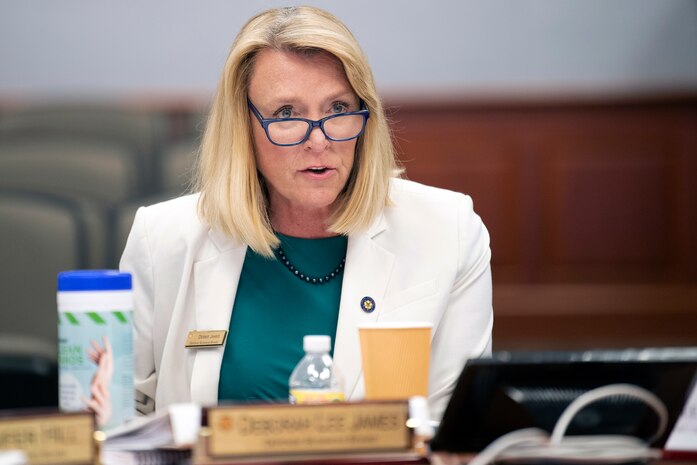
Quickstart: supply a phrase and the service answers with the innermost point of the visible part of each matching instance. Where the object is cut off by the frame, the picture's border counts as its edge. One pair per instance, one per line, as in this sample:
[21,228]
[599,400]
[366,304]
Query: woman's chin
[314,199]
[324,204]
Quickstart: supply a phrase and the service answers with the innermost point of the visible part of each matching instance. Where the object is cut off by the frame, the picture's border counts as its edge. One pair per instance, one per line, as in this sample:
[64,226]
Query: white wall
[95,48]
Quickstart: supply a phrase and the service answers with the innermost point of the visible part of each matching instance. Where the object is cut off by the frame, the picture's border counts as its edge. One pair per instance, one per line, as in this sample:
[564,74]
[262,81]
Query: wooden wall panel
[590,193]
[592,211]
[685,245]
[585,316]
[608,210]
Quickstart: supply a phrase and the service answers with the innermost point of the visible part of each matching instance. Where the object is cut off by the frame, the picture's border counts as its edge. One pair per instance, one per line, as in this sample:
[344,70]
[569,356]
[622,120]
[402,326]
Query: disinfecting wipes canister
[95,344]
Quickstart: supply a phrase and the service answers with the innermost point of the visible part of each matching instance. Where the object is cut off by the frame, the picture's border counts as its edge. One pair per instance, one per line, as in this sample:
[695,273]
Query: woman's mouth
[318,172]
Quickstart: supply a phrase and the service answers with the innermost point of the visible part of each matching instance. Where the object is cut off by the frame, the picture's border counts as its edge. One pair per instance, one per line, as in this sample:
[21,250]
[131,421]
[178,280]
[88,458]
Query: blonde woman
[300,226]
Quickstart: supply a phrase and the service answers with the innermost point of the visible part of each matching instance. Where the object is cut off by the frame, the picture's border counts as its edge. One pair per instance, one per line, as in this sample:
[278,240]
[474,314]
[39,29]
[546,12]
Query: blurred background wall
[105,50]
[573,125]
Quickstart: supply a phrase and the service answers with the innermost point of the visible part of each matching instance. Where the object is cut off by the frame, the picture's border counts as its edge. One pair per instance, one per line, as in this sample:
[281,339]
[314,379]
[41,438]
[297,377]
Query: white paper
[684,434]
[13,457]
[177,426]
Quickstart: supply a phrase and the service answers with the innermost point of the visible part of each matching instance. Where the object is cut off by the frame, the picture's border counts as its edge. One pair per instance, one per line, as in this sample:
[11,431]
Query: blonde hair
[233,197]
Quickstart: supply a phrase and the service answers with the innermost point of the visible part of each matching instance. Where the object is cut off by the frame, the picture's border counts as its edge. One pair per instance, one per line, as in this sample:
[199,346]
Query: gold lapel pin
[367,304]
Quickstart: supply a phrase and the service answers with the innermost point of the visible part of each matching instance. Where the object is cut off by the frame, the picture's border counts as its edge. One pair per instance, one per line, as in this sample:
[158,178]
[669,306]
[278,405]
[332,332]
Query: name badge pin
[201,339]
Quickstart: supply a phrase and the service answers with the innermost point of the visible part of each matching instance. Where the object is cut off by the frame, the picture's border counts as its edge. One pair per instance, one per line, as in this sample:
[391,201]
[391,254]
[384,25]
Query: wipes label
[95,357]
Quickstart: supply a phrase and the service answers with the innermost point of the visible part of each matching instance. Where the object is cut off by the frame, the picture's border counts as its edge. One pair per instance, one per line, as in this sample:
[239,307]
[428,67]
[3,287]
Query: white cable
[533,443]
[611,390]
[524,437]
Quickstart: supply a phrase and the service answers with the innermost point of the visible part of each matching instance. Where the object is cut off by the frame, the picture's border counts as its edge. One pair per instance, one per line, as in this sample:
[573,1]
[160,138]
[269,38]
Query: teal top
[272,312]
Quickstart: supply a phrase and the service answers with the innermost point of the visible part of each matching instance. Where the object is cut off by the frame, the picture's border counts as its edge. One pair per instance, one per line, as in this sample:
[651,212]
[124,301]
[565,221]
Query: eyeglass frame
[312,124]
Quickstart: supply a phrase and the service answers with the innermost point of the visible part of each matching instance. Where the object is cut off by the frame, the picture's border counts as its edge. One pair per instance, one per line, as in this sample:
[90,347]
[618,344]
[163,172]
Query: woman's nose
[317,140]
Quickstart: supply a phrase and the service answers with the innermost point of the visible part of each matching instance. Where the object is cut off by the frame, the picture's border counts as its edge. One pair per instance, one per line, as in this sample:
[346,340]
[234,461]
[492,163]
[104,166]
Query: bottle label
[96,365]
[315,396]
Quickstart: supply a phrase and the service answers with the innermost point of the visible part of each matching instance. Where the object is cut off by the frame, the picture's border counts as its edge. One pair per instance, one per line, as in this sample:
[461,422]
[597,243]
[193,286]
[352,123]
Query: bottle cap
[94,280]
[317,343]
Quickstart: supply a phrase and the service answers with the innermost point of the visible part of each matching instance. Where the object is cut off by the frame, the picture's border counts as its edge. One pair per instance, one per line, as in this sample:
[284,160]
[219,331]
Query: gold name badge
[341,428]
[51,439]
[197,339]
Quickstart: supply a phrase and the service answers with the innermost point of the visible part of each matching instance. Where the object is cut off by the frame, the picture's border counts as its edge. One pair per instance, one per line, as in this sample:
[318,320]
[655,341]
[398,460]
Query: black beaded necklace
[302,276]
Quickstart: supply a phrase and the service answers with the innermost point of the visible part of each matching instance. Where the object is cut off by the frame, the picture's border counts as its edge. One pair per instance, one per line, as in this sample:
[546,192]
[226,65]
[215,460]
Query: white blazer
[426,258]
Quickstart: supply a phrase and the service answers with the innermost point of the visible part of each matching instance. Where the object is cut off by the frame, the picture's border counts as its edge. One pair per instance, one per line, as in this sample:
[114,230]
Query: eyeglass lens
[339,127]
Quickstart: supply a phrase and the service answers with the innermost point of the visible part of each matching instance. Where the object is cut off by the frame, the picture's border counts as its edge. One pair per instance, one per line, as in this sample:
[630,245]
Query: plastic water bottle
[95,336]
[314,379]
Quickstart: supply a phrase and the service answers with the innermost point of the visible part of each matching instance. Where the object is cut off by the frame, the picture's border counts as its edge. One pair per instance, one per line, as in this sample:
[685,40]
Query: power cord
[536,444]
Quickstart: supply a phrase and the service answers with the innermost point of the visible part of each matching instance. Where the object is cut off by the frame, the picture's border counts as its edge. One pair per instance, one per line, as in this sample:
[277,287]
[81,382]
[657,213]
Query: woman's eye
[285,112]
[339,107]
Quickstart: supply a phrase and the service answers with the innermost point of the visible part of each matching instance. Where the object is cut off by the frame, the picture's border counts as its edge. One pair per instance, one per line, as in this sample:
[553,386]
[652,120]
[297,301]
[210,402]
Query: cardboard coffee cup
[395,359]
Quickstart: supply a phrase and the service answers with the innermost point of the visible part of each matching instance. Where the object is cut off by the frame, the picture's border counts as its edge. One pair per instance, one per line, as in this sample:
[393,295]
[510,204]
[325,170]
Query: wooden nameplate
[287,433]
[50,438]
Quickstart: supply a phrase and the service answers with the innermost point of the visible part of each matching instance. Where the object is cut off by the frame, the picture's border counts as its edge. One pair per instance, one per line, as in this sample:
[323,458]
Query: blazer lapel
[367,273]
[215,286]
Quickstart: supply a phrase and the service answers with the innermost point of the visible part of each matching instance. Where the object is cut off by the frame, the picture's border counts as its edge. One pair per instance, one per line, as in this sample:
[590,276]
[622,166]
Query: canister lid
[94,280]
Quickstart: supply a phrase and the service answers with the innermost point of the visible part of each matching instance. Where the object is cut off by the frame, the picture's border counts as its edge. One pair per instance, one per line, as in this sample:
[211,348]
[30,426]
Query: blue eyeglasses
[286,132]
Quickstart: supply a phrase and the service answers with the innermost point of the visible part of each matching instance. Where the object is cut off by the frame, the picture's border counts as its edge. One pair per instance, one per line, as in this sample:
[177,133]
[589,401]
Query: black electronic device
[514,390]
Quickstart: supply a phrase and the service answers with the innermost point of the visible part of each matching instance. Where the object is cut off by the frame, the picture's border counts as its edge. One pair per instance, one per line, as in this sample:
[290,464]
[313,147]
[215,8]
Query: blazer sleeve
[137,260]
[466,325]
